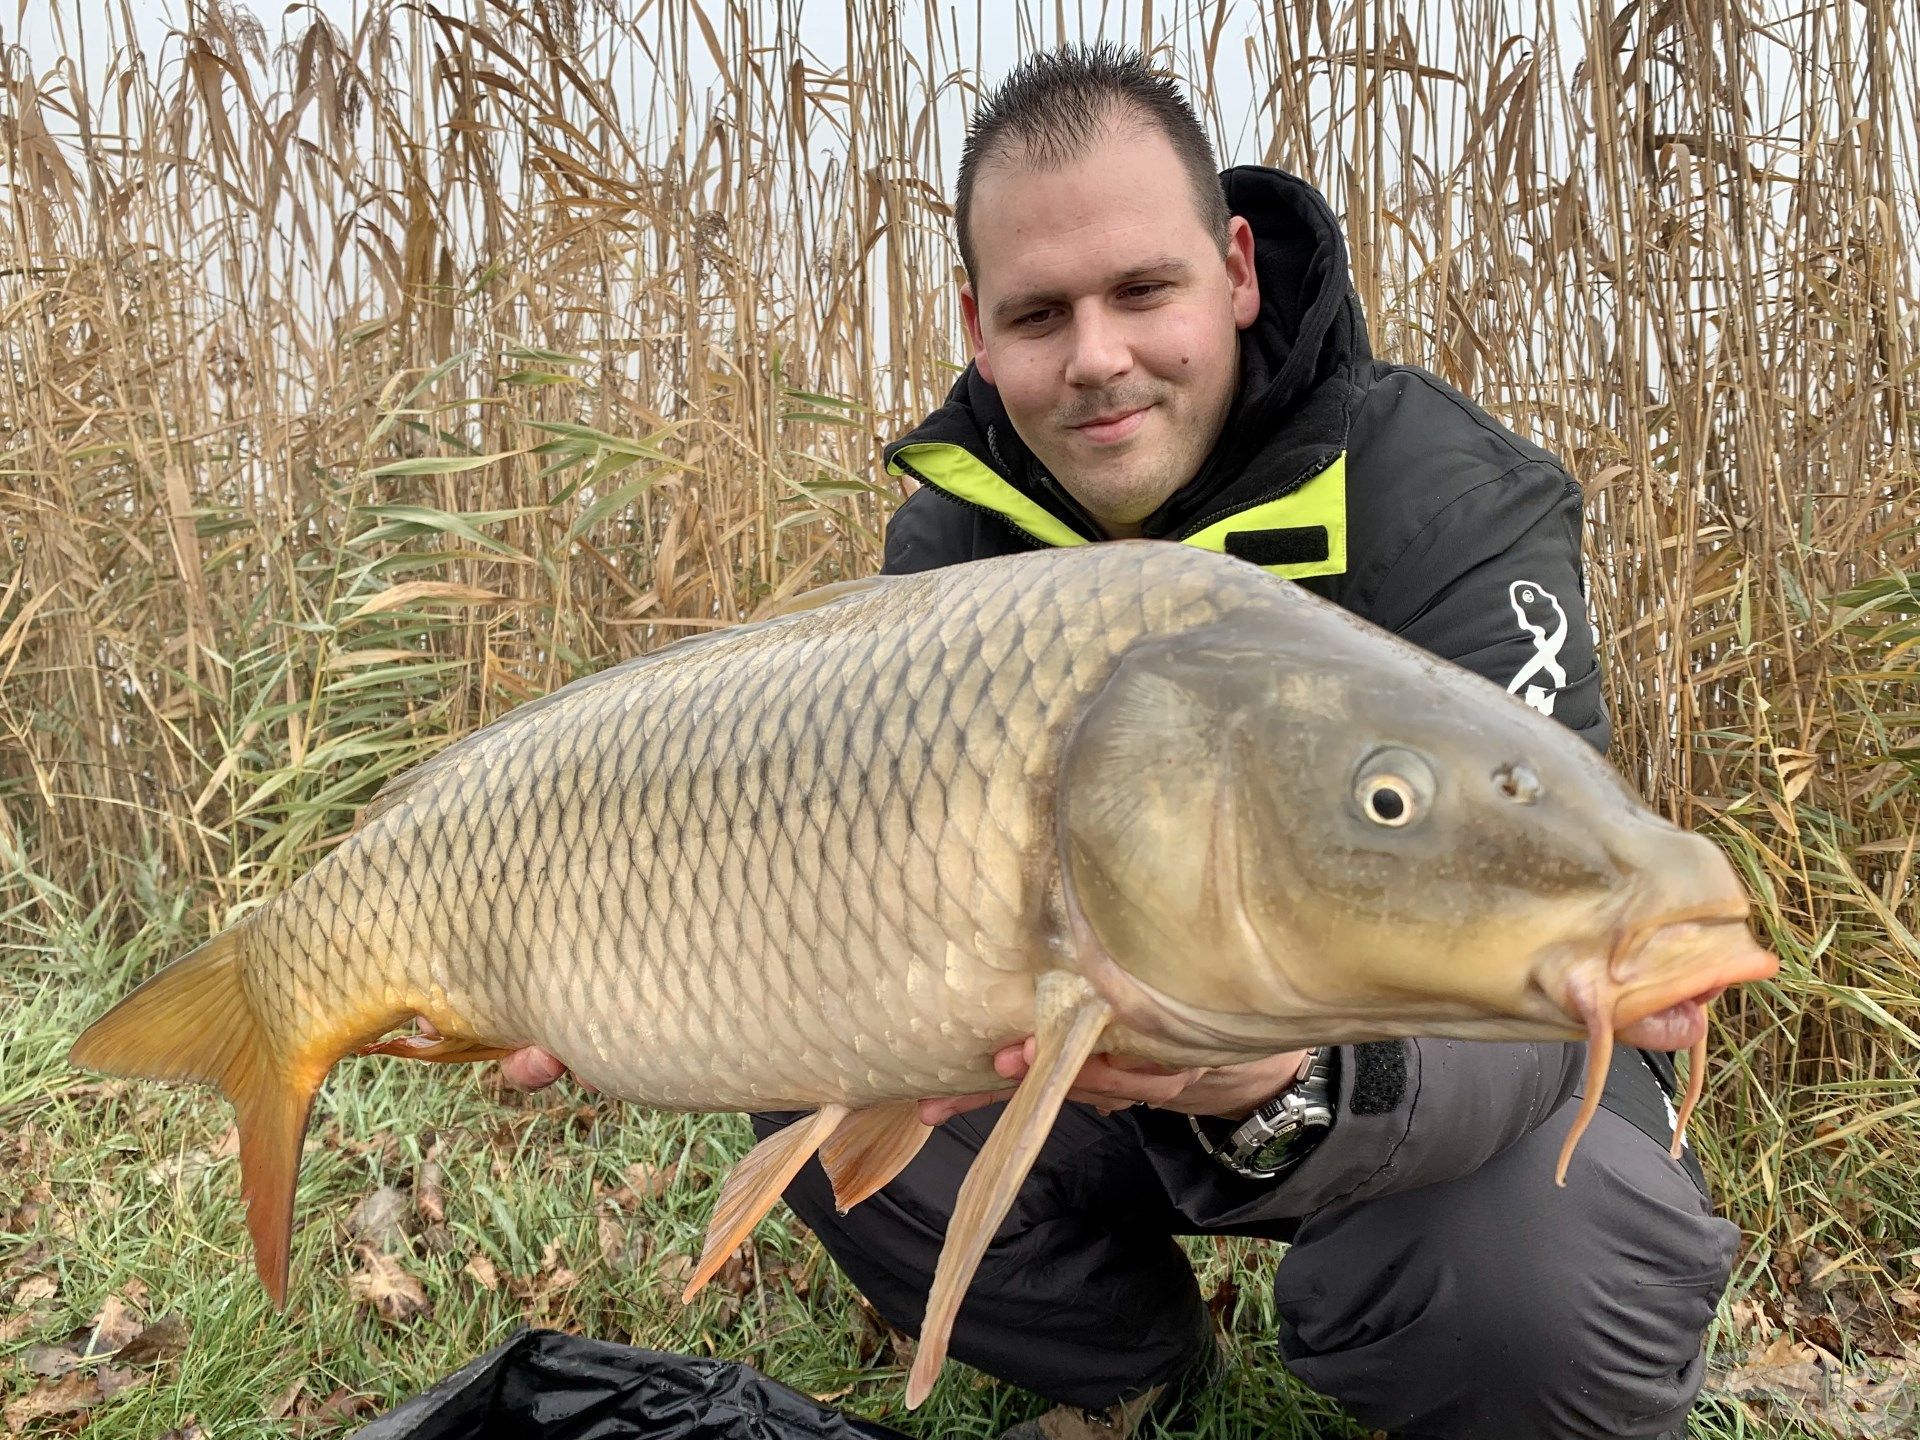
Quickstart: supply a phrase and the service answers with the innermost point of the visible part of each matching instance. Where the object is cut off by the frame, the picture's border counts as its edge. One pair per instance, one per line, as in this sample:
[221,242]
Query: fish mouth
[1667,972]
[1653,994]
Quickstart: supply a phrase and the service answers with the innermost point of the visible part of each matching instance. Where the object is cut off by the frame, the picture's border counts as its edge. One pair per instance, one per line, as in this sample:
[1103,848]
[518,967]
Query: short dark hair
[1054,106]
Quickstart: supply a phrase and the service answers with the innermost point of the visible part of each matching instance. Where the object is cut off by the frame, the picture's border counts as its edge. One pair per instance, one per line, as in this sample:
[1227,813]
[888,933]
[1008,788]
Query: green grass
[136,1194]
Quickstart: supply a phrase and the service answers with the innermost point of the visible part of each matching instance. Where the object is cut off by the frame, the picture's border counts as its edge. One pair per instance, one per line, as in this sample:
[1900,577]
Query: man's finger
[531,1069]
[944,1108]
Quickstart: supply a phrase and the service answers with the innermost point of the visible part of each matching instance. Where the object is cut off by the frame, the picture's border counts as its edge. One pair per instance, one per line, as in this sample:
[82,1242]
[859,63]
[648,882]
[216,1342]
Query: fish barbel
[1128,797]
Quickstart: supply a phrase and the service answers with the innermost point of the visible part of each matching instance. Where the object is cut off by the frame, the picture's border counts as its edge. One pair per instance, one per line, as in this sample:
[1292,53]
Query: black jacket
[1385,490]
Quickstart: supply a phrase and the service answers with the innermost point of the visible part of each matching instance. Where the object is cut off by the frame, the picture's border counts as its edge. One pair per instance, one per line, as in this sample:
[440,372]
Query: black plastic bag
[546,1385]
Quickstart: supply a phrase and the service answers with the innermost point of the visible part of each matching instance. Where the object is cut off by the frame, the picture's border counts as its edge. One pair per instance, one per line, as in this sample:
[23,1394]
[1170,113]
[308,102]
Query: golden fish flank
[834,860]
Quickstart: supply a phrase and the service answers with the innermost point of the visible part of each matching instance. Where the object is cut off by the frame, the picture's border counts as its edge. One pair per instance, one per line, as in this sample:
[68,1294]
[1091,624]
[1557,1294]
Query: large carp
[1129,797]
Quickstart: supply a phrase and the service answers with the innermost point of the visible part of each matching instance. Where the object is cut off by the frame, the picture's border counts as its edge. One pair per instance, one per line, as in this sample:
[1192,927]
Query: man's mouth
[1107,429]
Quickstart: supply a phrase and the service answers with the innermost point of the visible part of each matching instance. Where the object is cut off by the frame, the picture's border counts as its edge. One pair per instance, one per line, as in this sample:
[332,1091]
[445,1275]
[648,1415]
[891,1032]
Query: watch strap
[1282,1132]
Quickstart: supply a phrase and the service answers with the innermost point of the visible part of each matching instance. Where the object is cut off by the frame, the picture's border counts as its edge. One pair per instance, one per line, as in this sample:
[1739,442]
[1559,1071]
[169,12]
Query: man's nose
[1099,351]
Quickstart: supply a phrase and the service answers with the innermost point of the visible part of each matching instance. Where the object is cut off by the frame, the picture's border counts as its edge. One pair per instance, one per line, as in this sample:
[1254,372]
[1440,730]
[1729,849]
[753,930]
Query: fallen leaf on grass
[71,1394]
[115,1331]
[280,1406]
[34,1289]
[337,1410]
[386,1287]
[116,1324]
[1869,1401]
[379,1220]
[483,1272]
[190,1164]
[12,1327]
[190,1431]
[51,1361]
[650,1182]
[429,1186]
[165,1339]
[68,1395]
[622,1246]
[26,1214]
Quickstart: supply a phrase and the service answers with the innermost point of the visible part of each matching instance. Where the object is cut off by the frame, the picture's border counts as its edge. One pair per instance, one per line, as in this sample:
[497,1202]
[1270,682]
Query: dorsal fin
[397,790]
[822,595]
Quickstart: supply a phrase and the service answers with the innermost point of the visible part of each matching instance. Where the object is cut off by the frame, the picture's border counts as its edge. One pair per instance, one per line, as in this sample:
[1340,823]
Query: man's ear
[970,313]
[1241,276]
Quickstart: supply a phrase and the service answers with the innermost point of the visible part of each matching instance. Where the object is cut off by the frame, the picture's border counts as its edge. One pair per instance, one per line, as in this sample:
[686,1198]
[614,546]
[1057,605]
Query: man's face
[1104,313]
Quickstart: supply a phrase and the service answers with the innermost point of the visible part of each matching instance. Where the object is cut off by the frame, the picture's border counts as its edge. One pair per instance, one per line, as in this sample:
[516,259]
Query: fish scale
[1114,796]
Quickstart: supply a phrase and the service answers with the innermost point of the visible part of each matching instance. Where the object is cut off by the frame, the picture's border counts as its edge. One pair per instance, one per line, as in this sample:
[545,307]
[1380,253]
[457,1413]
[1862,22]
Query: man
[1164,351]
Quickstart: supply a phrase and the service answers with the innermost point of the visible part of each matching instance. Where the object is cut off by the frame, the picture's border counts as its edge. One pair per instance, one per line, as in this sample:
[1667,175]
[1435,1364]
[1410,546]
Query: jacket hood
[1299,367]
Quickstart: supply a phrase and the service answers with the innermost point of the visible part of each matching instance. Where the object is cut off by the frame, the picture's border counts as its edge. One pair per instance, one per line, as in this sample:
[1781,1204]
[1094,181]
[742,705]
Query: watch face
[1275,1152]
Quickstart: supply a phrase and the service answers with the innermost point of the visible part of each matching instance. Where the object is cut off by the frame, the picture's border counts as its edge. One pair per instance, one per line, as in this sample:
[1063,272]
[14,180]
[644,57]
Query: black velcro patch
[1379,1077]
[1298,545]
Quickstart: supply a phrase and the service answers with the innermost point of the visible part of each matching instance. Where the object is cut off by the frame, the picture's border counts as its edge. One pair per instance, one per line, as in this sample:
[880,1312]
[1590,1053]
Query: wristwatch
[1282,1132]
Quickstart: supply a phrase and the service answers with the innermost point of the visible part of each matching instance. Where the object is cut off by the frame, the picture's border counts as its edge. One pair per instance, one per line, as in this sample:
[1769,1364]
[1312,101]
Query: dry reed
[359,387]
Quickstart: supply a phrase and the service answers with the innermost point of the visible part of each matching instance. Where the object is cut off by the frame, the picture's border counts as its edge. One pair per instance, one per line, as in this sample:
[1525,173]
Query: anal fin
[753,1186]
[870,1147]
[1067,1029]
[446,1049]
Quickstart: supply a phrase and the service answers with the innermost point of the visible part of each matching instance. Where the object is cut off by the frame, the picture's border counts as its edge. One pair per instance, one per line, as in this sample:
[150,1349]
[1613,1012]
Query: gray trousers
[1488,1305]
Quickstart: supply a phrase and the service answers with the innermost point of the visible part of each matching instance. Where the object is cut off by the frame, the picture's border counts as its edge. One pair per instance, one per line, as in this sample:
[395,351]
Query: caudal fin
[192,1021]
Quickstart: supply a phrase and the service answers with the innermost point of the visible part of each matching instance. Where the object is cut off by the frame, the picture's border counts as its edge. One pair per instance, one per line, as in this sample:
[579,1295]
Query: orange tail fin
[192,1022]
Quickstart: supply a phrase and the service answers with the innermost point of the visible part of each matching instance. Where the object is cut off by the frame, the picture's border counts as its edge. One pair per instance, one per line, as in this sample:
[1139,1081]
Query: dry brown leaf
[280,1406]
[621,1245]
[112,1379]
[483,1272]
[429,1188]
[410,591]
[650,1182]
[165,1339]
[386,1287]
[116,1323]
[736,1271]
[1865,1403]
[68,1395]
[50,1361]
[379,1220]
[183,1168]
[337,1409]
[190,1431]
[34,1289]
[26,1214]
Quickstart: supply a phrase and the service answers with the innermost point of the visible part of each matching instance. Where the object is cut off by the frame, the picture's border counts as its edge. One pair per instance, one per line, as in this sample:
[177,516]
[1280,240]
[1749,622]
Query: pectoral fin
[870,1148]
[754,1185]
[1067,1030]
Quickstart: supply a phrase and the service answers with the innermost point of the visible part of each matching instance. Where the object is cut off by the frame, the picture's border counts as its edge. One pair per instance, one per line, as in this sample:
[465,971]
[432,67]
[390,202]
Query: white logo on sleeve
[1541,617]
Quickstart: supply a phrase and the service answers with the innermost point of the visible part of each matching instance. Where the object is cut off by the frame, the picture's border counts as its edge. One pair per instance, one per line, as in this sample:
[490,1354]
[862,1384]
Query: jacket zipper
[1280,493]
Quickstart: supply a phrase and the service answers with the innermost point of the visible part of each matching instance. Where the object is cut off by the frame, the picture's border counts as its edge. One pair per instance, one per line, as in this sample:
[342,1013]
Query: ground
[437,1212]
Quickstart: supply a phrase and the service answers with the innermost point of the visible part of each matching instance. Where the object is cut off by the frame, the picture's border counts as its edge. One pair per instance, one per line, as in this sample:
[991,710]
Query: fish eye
[1393,788]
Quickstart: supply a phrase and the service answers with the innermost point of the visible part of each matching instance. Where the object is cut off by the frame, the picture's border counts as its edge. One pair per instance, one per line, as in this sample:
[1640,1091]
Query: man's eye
[1144,291]
[1034,318]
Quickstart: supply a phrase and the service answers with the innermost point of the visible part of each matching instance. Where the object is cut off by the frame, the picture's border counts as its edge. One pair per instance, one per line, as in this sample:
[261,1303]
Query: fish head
[1312,832]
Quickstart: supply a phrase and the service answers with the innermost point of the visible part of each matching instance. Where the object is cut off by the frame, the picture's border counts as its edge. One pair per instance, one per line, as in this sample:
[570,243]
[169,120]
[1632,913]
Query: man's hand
[1112,1082]
[528,1069]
